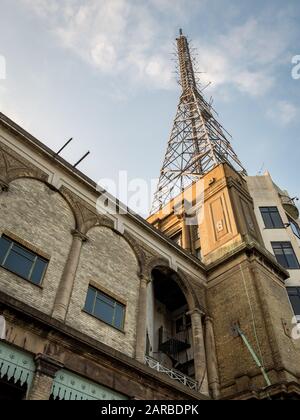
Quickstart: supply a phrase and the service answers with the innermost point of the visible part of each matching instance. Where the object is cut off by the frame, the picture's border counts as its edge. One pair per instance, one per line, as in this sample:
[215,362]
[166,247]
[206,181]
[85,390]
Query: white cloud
[132,40]
[115,36]
[254,83]
[246,57]
[284,113]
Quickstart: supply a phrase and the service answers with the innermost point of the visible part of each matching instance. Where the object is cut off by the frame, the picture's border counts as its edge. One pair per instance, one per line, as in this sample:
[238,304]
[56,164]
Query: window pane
[104,312]
[23,253]
[293,291]
[119,317]
[18,264]
[105,299]
[291,258]
[271,217]
[295,301]
[295,228]
[267,220]
[4,245]
[285,255]
[282,260]
[90,299]
[279,254]
[38,272]
[277,222]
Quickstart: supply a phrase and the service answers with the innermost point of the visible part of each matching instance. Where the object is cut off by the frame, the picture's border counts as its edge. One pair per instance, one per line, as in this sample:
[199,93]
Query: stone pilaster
[142,321]
[211,357]
[46,368]
[186,237]
[199,350]
[64,292]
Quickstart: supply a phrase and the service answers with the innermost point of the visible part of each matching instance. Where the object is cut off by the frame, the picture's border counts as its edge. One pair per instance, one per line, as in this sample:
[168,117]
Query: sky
[103,72]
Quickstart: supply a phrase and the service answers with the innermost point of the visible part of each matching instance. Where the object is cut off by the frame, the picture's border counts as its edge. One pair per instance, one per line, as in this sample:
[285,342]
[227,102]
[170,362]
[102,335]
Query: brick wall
[248,293]
[41,217]
[108,261]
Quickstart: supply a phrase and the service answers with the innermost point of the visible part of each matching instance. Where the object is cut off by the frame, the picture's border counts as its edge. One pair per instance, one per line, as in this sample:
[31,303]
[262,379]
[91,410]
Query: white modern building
[278,218]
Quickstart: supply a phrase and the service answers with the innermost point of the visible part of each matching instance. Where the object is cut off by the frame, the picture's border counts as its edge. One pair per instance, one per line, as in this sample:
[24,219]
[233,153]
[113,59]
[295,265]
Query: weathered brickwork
[277,311]
[36,214]
[41,388]
[109,262]
[248,294]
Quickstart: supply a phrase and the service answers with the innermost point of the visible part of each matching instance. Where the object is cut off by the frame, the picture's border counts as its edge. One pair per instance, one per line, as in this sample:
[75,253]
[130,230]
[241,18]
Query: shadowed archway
[169,338]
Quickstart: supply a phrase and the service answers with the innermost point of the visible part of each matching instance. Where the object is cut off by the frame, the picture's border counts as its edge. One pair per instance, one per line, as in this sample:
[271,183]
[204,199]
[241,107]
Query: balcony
[172,373]
[289,205]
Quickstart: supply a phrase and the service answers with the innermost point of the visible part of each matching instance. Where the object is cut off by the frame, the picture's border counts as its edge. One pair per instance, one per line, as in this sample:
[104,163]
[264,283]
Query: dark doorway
[9,391]
[172,329]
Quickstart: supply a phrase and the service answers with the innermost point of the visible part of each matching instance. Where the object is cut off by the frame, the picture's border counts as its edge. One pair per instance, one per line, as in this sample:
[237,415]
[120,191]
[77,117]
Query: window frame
[283,245]
[295,224]
[36,257]
[266,210]
[289,290]
[99,292]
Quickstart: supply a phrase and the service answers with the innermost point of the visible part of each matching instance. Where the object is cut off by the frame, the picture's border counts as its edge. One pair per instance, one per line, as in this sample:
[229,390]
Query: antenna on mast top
[180,32]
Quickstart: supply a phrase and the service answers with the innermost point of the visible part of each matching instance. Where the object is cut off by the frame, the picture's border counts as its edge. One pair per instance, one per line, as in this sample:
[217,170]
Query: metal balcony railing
[172,373]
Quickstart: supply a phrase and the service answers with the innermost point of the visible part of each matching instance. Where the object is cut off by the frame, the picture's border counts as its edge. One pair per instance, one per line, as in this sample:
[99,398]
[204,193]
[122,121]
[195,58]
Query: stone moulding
[68,386]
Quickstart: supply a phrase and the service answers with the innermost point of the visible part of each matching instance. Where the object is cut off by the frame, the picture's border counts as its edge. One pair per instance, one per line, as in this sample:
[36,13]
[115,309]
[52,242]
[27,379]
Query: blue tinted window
[294,294]
[21,261]
[119,317]
[285,255]
[38,271]
[105,308]
[104,311]
[272,218]
[23,252]
[4,247]
[18,264]
[295,227]
[90,300]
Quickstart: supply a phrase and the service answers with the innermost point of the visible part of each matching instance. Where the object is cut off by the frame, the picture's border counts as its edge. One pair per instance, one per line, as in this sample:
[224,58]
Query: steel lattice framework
[197,142]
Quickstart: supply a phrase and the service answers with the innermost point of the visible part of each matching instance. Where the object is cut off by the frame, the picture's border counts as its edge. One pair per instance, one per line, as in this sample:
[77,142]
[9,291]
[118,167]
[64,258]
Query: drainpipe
[238,331]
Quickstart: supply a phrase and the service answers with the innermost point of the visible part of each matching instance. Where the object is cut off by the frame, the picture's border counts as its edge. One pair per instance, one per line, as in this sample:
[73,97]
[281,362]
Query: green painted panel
[17,365]
[68,386]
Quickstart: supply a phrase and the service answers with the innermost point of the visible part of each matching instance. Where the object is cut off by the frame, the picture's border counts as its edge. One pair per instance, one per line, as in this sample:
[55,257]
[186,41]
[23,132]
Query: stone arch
[44,181]
[178,276]
[30,173]
[14,166]
[136,248]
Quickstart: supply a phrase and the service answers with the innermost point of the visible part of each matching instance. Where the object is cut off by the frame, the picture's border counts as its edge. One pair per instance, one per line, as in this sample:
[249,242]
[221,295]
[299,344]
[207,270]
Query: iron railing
[172,373]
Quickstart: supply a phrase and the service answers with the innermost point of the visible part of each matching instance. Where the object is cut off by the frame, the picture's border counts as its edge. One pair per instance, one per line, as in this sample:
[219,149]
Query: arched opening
[169,339]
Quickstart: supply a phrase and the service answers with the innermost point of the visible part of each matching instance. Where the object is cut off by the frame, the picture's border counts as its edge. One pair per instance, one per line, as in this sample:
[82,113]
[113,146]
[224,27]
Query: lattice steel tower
[197,142]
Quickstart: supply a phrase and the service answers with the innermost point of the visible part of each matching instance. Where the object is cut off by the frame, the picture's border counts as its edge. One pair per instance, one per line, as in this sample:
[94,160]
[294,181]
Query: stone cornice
[46,365]
[251,247]
[284,388]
